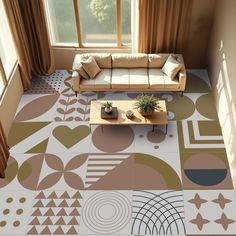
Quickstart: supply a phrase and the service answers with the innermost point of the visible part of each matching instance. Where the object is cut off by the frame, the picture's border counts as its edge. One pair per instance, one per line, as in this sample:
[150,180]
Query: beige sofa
[129,72]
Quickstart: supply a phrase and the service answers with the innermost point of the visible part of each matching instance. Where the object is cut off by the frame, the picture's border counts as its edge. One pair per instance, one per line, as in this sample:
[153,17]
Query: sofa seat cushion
[171,83]
[87,83]
[138,78]
[156,78]
[120,78]
[103,79]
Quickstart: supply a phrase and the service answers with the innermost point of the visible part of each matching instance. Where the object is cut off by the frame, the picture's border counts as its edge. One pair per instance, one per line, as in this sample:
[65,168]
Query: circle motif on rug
[107,212]
[157,136]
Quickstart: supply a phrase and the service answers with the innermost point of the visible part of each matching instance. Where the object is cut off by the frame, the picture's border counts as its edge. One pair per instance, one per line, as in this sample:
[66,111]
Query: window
[89,22]
[7,50]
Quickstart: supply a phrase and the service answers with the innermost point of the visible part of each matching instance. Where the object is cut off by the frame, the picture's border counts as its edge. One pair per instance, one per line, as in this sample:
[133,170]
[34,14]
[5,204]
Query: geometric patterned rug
[65,179]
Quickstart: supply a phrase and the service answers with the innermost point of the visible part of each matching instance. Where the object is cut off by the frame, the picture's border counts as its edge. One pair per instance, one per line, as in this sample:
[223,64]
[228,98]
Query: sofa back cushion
[157,60]
[103,59]
[137,60]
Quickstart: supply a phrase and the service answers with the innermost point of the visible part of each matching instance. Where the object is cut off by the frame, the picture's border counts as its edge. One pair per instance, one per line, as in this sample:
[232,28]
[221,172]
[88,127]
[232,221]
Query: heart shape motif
[69,137]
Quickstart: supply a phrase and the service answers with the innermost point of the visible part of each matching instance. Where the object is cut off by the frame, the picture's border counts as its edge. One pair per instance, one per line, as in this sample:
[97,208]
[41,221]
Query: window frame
[79,43]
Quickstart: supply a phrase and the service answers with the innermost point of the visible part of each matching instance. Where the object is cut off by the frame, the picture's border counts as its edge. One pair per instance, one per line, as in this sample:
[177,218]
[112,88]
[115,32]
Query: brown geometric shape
[37,212]
[60,221]
[33,231]
[47,221]
[74,213]
[38,204]
[108,142]
[35,221]
[62,212]
[77,195]
[40,196]
[72,231]
[197,201]
[46,231]
[51,204]
[50,180]
[52,196]
[221,200]
[65,195]
[75,204]
[199,221]
[49,212]
[156,137]
[224,221]
[119,178]
[59,231]
[73,221]
[73,180]
[63,204]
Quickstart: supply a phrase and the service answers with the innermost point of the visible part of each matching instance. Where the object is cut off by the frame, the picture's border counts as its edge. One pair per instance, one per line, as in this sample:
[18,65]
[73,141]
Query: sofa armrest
[76,81]
[182,74]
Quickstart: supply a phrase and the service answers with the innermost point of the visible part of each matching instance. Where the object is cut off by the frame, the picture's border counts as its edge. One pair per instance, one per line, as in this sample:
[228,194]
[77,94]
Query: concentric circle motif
[106,212]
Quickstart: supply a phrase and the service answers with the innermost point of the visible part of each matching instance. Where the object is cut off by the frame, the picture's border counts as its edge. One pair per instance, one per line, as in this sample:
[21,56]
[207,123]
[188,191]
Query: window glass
[98,21]
[126,21]
[62,21]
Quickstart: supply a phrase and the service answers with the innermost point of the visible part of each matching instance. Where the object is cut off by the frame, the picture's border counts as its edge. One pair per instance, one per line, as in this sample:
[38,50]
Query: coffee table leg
[153,126]
[166,128]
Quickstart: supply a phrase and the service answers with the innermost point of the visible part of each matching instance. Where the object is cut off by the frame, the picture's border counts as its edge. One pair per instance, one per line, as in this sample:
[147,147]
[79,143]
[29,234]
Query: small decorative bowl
[129,114]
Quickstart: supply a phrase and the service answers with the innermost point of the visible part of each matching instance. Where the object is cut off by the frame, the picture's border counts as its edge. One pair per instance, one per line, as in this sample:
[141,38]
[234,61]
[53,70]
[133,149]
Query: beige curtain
[4,152]
[29,29]
[163,25]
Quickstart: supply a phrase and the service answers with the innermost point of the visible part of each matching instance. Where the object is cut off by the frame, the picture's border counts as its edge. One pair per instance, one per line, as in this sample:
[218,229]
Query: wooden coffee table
[159,117]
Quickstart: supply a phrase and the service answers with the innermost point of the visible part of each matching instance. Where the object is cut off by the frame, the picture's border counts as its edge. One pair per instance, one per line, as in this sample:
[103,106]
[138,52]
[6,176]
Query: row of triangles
[51,212]
[60,221]
[52,203]
[58,231]
[54,195]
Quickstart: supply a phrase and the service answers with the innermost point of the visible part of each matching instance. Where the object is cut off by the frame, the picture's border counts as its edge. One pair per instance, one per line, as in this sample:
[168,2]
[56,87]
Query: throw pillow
[91,67]
[82,72]
[171,67]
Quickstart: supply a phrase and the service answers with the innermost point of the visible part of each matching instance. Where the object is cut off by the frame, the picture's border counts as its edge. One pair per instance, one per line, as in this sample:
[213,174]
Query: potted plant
[108,107]
[146,104]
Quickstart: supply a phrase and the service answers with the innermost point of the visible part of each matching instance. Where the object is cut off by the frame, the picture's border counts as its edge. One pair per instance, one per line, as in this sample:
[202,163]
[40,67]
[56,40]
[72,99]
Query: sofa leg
[182,93]
[76,93]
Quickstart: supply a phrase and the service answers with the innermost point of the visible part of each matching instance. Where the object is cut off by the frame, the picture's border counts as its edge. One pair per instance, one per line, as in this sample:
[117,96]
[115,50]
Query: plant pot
[108,109]
[143,113]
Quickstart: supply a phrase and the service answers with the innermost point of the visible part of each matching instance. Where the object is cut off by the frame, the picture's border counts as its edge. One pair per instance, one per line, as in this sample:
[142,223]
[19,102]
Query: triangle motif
[35,221]
[77,195]
[37,212]
[33,231]
[46,231]
[65,195]
[40,196]
[75,204]
[59,231]
[52,195]
[63,204]
[51,204]
[73,221]
[38,204]
[49,212]
[72,231]
[47,221]
[39,148]
[62,212]
[60,222]
[74,213]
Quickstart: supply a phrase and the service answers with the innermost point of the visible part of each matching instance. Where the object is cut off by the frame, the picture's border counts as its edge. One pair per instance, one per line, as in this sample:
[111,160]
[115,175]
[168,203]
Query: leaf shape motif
[69,95]
[73,180]
[67,84]
[80,110]
[54,162]
[70,119]
[73,101]
[78,119]
[57,119]
[76,162]
[37,107]
[61,111]
[87,119]
[83,102]
[63,102]
[87,111]
[49,180]
[70,111]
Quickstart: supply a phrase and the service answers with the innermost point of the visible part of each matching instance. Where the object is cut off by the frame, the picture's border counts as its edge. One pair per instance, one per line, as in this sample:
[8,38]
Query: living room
[69,166]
